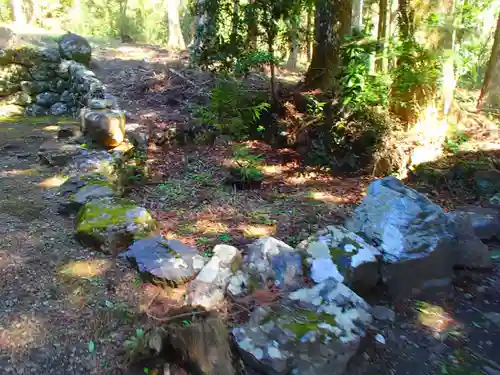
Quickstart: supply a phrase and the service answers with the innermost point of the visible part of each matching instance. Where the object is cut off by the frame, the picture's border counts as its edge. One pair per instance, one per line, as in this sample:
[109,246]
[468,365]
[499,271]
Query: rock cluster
[48,80]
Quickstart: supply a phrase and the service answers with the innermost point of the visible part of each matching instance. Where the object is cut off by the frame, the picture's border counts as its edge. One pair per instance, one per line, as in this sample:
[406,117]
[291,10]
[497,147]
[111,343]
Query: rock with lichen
[209,287]
[266,261]
[75,47]
[112,224]
[105,126]
[313,331]
[165,260]
[80,189]
[336,253]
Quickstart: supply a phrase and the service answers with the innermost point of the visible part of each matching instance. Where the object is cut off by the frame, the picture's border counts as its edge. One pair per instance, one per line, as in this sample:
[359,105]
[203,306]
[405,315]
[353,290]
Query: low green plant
[233,109]
[452,144]
[247,165]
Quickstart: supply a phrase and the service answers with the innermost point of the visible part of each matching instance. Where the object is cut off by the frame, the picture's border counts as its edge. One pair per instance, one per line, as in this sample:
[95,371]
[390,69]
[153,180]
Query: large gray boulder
[313,331]
[334,252]
[167,260]
[75,47]
[418,246]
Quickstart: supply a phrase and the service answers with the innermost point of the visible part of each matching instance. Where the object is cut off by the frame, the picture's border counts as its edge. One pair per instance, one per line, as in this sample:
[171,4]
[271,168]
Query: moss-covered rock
[111,224]
[78,190]
[28,55]
[13,73]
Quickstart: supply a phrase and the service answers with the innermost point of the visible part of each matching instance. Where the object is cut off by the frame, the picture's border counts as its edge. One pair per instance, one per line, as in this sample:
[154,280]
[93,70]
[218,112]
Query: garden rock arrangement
[41,81]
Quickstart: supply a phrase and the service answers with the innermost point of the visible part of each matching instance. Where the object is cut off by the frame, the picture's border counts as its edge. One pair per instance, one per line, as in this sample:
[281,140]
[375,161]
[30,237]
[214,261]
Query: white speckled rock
[418,246]
[209,287]
[314,331]
[268,259]
[336,253]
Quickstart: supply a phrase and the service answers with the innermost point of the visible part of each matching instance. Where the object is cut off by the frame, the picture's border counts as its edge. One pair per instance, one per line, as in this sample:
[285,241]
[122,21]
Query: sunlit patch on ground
[437,320]
[86,268]
[53,182]
[21,332]
[20,172]
[327,197]
[257,231]
[51,128]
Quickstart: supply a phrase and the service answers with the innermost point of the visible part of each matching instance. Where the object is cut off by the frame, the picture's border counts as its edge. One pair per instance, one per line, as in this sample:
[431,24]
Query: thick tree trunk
[383,35]
[175,38]
[18,12]
[490,93]
[326,53]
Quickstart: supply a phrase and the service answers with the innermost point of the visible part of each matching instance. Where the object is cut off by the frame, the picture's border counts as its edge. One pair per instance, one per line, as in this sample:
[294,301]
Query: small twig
[183,77]
[166,319]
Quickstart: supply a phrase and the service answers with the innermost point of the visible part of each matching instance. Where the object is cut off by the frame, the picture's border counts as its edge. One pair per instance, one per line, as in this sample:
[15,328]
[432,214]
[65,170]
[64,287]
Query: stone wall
[38,81]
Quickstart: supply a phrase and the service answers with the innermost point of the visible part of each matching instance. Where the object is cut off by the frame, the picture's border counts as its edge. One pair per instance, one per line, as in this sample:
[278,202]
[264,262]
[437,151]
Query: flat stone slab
[164,259]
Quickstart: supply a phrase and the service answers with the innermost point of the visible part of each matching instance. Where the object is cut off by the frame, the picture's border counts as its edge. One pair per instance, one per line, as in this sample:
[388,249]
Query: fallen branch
[183,77]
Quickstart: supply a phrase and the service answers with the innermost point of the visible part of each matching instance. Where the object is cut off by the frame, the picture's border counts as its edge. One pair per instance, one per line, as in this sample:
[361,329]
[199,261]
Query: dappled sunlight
[156,300]
[53,182]
[433,317]
[327,197]
[210,227]
[273,170]
[22,332]
[256,231]
[86,268]
[51,128]
[20,172]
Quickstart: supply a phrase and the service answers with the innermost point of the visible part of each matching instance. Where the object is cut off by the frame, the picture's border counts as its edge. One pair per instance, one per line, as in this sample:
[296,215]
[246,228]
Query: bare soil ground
[65,309]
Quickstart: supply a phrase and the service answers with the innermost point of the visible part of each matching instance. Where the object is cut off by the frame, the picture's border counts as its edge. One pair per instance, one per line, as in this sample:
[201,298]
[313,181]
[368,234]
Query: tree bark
[123,20]
[326,53]
[357,15]
[294,44]
[383,35]
[490,93]
[18,12]
[175,38]
[309,27]
[252,27]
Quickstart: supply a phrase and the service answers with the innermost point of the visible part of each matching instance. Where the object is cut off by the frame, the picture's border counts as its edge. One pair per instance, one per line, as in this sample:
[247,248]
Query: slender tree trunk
[393,28]
[236,20]
[490,93]
[325,57]
[309,32]
[383,36]
[447,47]
[346,19]
[357,15]
[294,44]
[18,12]
[123,20]
[175,38]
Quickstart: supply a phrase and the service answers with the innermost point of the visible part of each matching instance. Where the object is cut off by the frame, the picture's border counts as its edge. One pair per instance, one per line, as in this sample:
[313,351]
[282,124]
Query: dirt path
[57,299]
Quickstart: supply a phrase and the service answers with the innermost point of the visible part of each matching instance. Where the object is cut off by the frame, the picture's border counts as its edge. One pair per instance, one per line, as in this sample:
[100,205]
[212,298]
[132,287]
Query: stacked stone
[39,81]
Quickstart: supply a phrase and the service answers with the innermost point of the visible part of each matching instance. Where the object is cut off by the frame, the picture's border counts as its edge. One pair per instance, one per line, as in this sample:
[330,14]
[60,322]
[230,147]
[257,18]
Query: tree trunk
[18,12]
[309,27]
[490,93]
[235,21]
[123,20]
[252,27]
[326,53]
[447,46]
[383,35]
[175,38]
[357,15]
[294,44]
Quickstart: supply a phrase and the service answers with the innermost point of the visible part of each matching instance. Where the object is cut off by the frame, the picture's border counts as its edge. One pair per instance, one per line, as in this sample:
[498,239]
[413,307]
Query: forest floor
[65,309]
